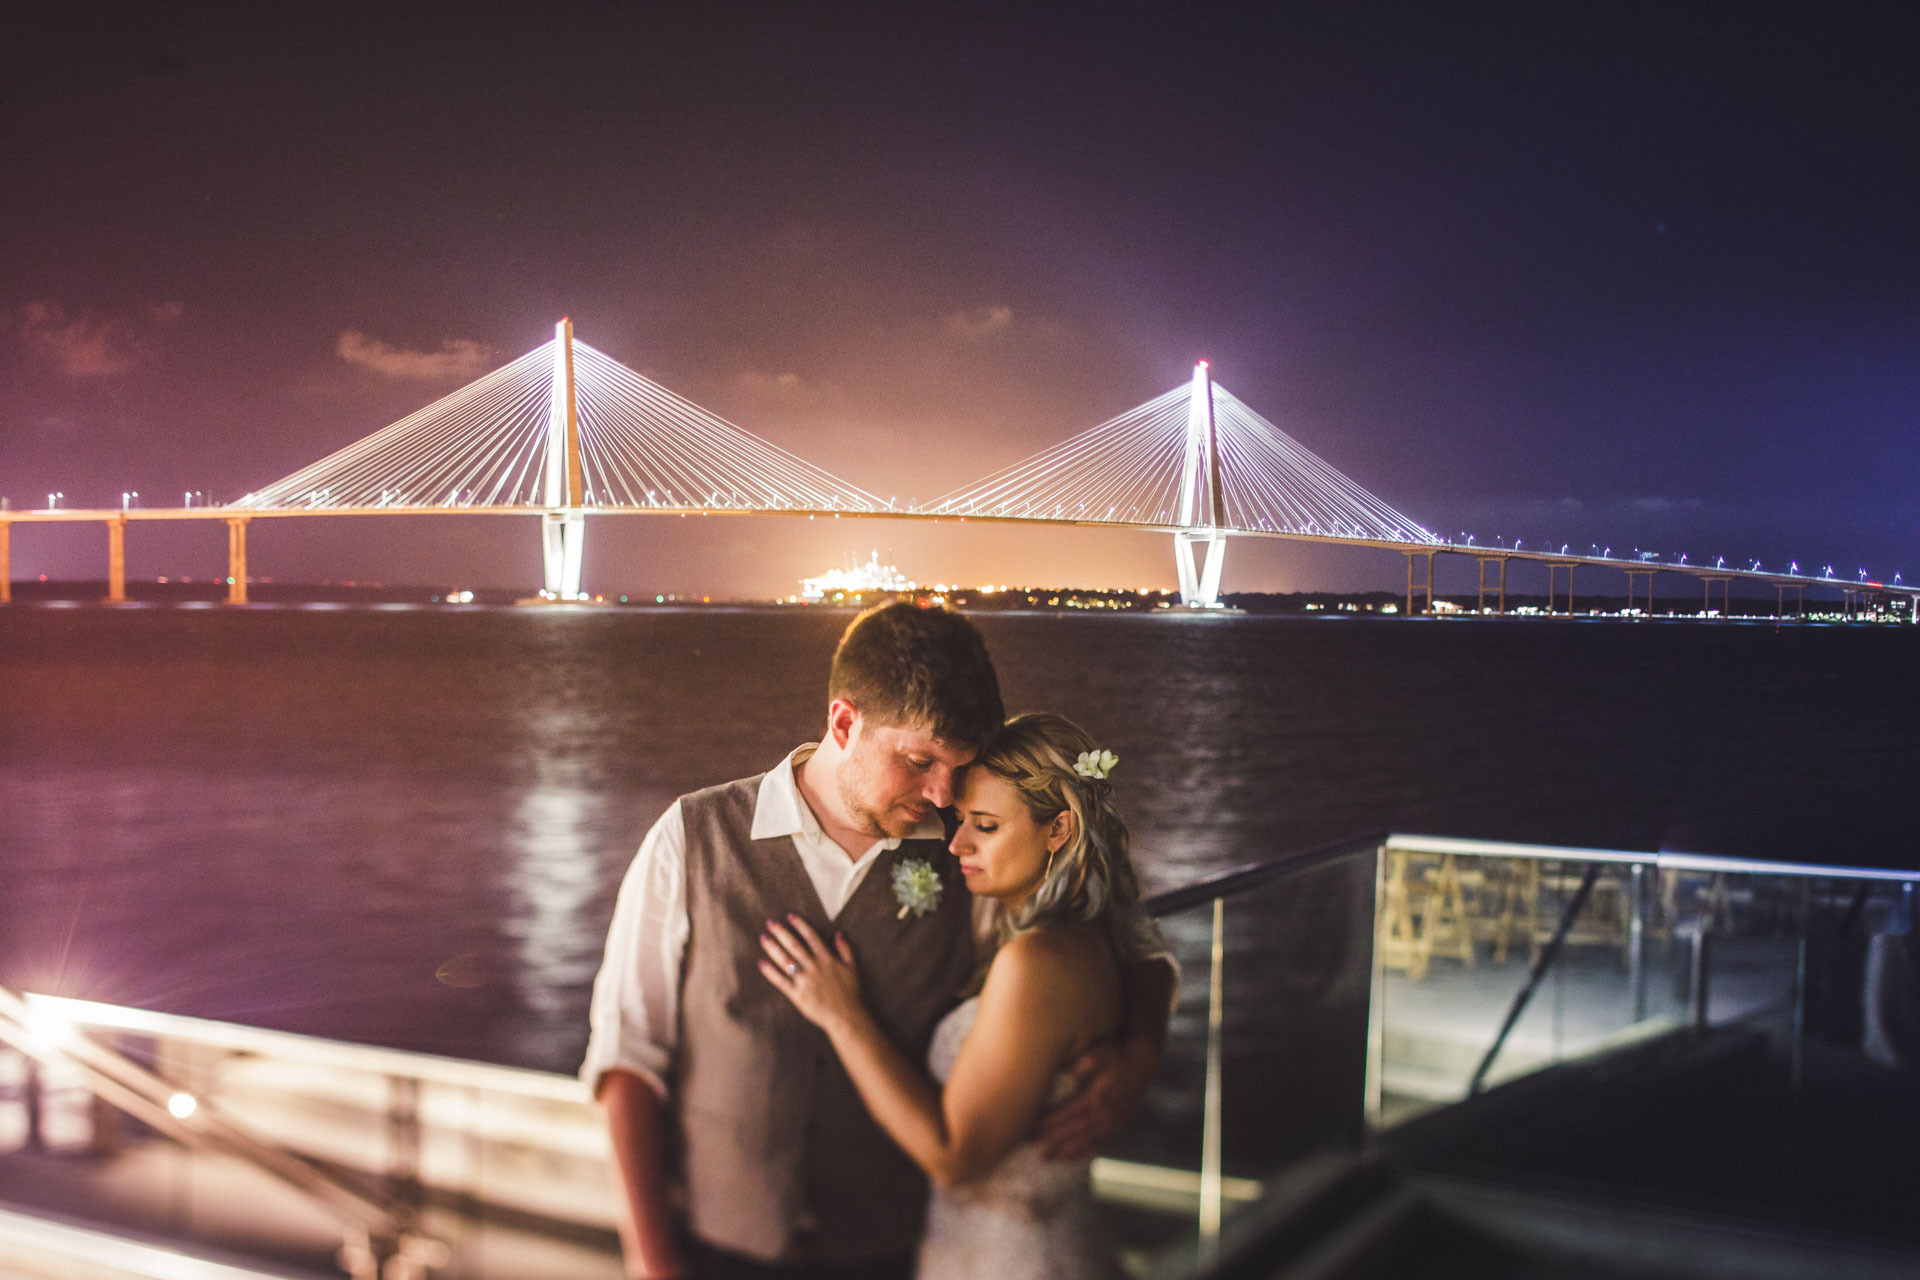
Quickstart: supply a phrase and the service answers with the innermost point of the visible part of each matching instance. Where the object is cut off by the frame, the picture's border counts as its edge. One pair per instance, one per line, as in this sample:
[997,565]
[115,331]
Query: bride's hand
[820,980]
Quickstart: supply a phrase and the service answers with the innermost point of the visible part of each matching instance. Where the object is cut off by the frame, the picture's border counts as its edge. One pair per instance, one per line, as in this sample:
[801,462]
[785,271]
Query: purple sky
[1641,276]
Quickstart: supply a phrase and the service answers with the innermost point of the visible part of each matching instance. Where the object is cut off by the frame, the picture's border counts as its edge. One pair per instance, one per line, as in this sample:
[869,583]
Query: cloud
[457,358]
[977,323]
[789,389]
[1664,504]
[90,345]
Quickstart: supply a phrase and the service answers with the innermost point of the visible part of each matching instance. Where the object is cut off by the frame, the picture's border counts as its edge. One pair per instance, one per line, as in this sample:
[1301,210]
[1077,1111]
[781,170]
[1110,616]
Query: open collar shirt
[635,1012]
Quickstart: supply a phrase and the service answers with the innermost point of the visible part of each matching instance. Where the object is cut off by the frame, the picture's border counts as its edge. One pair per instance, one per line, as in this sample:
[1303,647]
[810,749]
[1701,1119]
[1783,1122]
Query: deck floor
[1437,1029]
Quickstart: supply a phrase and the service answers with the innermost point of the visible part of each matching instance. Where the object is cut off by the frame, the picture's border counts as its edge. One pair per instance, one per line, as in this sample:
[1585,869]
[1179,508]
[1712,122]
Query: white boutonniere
[1095,764]
[916,887]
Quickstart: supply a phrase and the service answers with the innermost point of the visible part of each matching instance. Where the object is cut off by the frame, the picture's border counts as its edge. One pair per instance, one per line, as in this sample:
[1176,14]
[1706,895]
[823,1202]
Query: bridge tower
[563,530]
[1201,508]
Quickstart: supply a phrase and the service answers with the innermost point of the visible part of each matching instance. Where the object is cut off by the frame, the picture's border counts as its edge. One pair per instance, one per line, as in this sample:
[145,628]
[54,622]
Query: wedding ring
[792,968]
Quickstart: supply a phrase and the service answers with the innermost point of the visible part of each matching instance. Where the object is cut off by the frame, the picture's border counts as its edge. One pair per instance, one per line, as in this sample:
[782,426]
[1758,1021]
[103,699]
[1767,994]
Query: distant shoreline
[1044,600]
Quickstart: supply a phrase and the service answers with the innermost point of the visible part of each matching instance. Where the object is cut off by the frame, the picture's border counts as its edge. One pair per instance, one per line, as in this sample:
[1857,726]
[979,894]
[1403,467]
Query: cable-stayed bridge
[1198,463]
[562,431]
[565,431]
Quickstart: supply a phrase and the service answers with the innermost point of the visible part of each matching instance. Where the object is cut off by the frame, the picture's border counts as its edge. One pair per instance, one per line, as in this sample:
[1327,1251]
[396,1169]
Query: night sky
[1641,276]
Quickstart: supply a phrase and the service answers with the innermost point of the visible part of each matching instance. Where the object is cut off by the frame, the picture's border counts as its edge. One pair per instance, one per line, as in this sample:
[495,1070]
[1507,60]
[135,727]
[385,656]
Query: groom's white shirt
[635,1013]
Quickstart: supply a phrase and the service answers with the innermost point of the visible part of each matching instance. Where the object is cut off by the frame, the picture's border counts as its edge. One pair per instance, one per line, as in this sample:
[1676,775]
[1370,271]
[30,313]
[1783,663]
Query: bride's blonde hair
[1089,880]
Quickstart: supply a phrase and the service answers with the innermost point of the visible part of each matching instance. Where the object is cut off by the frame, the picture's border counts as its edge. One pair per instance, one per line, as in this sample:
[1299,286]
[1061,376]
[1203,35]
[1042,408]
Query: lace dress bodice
[1029,1219]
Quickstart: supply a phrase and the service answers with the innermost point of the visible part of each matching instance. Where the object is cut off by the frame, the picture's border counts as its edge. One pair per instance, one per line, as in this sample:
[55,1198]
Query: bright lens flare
[50,1030]
[182,1105]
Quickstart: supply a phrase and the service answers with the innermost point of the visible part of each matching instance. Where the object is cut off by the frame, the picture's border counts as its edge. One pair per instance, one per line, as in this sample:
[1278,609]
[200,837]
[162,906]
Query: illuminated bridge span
[1196,460]
[566,431]
[563,430]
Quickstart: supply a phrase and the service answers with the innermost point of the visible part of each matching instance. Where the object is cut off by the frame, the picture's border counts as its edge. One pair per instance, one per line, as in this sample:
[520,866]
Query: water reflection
[551,876]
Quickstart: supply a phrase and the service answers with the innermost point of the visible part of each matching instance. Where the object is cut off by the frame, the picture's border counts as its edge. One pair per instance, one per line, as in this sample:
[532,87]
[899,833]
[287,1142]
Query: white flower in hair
[1095,764]
[916,887]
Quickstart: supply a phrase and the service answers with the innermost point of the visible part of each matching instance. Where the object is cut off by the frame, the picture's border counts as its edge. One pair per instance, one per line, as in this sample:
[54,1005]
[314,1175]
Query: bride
[1038,836]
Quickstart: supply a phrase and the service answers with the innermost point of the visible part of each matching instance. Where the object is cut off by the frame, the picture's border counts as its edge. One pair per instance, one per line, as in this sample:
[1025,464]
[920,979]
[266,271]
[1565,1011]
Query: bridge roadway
[1489,558]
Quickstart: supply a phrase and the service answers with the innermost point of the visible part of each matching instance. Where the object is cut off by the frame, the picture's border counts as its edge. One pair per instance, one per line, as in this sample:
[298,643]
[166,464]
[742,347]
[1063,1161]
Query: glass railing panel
[1298,989]
[1266,1052]
[1787,1090]
[1148,1183]
[1792,955]
[1748,929]
[1547,957]
[1620,956]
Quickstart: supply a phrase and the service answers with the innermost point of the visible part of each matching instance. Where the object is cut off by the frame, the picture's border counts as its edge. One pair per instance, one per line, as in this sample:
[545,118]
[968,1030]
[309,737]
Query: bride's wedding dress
[1029,1219]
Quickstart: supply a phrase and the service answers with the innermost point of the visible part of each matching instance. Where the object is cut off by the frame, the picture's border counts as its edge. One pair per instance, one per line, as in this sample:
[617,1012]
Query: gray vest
[781,1161]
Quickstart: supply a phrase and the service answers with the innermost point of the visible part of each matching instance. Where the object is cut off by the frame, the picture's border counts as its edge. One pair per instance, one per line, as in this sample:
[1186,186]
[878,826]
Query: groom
[742,1147]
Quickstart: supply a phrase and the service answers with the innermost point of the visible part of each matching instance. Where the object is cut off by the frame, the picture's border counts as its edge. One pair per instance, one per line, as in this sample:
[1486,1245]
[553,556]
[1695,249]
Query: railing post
[1697,975]
[403,1145]
[1637,940]
[1210,1135]
[1376,1002]
[30,1099]
[1797,1053]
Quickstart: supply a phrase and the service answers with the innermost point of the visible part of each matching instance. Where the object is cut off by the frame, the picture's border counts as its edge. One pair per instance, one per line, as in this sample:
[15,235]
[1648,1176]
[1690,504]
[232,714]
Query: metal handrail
[364,1058]
[1661,859]
[1248,875]
[379,1229]
[1251,875]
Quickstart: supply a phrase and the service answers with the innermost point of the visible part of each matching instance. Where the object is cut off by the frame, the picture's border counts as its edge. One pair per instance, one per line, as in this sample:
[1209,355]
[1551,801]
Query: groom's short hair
[902,664]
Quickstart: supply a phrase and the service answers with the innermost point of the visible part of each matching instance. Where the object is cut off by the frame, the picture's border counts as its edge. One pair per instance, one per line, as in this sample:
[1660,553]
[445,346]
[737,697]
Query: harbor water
[405,826]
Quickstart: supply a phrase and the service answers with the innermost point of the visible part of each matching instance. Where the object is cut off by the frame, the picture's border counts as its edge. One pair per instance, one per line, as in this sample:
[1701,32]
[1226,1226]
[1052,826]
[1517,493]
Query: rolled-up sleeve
[635,1009]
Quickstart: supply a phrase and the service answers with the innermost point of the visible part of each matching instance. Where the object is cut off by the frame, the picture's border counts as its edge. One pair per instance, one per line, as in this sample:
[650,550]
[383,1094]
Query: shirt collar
[780,810]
